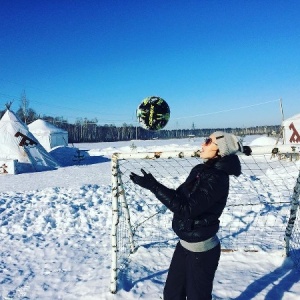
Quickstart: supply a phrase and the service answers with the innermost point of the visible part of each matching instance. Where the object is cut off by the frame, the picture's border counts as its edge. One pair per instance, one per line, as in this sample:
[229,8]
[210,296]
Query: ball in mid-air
[153,113]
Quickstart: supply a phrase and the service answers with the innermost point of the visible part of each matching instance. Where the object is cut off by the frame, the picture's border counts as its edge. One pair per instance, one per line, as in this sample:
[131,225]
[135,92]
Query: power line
[227,110]
[74,110]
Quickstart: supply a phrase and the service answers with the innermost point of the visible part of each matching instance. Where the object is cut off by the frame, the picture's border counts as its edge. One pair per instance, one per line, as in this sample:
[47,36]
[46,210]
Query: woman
[197,205]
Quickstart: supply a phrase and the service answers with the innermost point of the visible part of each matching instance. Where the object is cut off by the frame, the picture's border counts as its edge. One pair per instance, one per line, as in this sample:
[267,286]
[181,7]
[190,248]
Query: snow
[55,237]
[263,141]
[41,127]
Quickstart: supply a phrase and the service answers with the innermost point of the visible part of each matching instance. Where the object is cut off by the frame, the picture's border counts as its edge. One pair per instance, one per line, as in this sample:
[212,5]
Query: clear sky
[218,63]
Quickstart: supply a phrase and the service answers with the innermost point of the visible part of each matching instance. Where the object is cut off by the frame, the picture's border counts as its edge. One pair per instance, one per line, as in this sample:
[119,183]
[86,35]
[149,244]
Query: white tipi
[18,143]
[291,130]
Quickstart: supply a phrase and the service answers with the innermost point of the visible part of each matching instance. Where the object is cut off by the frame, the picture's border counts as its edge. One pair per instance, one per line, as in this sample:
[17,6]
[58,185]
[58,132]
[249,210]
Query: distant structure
[48,135]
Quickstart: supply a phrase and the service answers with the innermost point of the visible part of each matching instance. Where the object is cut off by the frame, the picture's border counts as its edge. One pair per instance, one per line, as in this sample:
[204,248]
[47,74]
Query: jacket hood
[229,164]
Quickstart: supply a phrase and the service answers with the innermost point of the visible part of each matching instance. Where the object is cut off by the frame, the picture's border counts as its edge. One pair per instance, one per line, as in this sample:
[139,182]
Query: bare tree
[25,113]
[24,106]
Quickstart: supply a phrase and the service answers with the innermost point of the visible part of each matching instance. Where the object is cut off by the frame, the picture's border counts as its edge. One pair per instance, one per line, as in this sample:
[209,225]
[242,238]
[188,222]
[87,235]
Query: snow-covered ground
[55,231]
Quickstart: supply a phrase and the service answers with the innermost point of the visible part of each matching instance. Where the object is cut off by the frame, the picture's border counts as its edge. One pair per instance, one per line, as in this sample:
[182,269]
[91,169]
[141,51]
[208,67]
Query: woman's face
[209,148]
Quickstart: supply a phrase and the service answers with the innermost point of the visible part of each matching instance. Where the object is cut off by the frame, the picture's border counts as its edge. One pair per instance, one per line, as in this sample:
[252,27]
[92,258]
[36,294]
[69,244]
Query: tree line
[89,132]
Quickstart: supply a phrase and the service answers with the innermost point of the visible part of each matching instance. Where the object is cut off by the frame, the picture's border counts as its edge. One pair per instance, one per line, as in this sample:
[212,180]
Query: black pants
[191,274]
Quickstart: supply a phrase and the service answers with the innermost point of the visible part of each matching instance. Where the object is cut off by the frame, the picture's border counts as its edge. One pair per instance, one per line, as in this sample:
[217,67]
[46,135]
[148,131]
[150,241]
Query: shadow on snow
[281,279]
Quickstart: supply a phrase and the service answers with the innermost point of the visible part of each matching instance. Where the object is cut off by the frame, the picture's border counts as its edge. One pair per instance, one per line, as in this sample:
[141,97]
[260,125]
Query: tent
[17,143]
[48,135]
[291,130]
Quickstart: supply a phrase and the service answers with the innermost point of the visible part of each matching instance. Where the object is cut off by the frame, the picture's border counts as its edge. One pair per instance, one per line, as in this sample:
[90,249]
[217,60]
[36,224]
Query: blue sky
[217,63]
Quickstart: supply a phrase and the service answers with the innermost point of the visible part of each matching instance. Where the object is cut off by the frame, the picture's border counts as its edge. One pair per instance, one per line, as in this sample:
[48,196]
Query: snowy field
[55,231]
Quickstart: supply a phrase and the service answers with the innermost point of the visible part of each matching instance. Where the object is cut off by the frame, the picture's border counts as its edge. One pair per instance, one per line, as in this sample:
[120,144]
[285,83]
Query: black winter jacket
[198,203]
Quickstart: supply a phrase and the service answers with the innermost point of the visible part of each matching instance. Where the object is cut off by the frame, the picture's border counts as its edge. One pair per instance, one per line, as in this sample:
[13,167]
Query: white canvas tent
[291,130]
[17,143]
[48,135]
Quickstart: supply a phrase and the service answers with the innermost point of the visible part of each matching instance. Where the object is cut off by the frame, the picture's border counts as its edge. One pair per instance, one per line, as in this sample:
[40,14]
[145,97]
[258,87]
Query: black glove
[147,181]
[247,150]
